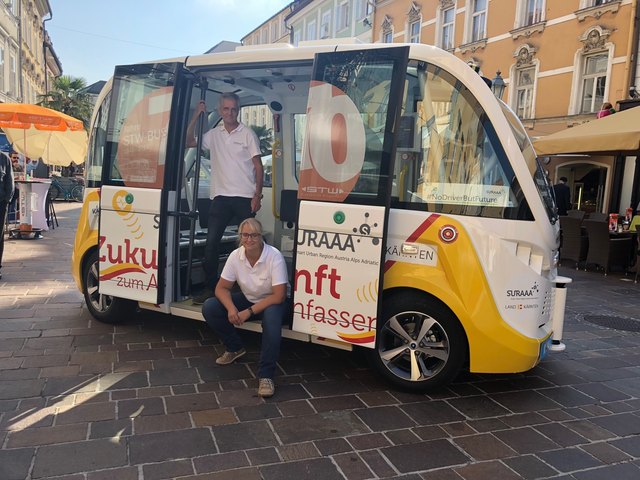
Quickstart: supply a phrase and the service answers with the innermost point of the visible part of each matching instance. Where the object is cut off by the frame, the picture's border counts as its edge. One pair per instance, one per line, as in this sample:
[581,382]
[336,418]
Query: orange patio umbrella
[40,132]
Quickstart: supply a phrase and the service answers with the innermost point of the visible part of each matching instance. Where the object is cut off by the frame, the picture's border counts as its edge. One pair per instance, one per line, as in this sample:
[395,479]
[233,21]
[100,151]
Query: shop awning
[617,134]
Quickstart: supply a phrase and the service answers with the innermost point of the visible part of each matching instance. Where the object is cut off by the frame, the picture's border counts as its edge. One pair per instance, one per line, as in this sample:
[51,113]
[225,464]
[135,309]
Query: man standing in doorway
[6,192]
[236,178]
[563,196]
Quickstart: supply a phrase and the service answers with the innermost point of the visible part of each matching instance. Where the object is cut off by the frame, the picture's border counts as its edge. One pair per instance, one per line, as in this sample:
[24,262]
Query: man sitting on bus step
[236,178]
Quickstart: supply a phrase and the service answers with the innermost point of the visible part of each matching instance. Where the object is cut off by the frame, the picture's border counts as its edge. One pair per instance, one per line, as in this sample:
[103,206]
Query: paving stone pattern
[145,400]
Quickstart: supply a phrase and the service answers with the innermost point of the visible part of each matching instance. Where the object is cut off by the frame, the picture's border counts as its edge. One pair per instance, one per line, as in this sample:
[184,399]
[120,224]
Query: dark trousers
[221,212]
[3,218]
[218,319]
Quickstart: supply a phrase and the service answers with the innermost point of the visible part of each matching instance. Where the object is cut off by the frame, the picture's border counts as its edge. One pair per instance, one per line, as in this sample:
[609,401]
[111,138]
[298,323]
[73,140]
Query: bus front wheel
[420,344]
[104,308]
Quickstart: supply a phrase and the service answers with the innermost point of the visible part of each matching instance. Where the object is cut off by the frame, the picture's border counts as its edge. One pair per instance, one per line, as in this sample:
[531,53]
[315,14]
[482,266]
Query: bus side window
[460,166]
[260,119]
[97,144]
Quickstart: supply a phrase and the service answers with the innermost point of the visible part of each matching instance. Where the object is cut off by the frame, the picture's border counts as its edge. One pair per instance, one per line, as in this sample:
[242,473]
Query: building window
[13,70]
[534,12]
[265,36]
[525,79]
[342,20]
[297,34]
[274,32]
[448,18]
[600,2]
[2,87]
[414,32]
[311,30]
[387,37]
[325,25]
[594,82]
[479,20]
[363,9]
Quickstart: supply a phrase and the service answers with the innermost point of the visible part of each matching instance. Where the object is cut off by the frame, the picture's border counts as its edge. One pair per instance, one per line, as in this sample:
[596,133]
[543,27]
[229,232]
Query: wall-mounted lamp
[366,22]
[498,85]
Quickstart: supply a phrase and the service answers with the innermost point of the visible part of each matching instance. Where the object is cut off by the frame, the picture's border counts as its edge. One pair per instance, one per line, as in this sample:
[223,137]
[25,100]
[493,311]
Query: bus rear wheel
[420,344]
[104,308]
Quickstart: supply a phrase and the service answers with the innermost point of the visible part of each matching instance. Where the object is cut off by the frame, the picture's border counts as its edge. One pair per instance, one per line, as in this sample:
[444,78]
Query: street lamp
[498,85]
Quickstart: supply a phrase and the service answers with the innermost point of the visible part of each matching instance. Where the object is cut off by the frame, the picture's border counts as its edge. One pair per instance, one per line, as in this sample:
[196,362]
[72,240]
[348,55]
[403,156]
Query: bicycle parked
[71,191]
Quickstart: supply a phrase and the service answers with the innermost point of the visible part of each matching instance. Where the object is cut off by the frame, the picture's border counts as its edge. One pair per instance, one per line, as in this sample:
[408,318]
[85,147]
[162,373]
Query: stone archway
[589,181]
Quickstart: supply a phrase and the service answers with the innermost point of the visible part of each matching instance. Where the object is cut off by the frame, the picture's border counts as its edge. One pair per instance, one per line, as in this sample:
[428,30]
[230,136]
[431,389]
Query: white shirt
[232,170]
[256,282]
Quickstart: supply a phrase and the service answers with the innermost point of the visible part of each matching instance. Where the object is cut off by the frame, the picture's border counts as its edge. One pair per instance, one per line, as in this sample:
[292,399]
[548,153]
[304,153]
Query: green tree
[68,95]
[265,137]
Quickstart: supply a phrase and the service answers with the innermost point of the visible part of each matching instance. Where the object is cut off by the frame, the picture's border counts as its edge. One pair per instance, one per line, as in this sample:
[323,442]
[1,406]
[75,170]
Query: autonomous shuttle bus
[407,200]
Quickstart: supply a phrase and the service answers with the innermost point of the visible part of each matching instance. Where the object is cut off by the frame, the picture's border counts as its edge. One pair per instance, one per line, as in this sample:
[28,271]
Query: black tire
[77,193]
[54,192]
[420,344]
[104,308]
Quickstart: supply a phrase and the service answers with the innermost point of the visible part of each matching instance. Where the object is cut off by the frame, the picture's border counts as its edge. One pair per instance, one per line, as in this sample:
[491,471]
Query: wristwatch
[258,195]
[251,312]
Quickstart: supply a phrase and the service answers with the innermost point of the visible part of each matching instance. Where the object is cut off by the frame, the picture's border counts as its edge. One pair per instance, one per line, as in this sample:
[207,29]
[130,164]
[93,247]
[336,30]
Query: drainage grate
[617,323]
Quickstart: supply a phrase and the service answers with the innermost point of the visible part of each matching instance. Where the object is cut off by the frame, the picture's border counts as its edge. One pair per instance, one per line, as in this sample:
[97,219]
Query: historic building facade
[560,61]
[28,62]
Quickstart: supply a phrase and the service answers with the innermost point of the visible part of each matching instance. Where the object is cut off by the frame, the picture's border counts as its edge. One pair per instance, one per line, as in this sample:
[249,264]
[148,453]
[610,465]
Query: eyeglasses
[252,236]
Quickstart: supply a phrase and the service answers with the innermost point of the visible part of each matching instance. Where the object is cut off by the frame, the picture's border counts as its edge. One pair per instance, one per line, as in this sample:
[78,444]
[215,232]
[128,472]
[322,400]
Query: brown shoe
[229,357]
[266,388]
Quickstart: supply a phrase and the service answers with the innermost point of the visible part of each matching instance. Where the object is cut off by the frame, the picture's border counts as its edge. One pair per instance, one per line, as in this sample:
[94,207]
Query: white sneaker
[266,388]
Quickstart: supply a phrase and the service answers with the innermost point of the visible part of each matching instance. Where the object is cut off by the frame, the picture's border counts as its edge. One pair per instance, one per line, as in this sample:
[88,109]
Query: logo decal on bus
[127,258]
[337,272]
[334,147]
[122,203]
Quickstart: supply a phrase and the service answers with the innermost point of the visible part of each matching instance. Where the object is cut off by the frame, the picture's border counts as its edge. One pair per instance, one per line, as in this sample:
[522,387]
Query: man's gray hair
[229,96]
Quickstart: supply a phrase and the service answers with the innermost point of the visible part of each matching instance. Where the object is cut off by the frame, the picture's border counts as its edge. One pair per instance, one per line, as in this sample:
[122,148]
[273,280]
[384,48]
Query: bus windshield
[540,177]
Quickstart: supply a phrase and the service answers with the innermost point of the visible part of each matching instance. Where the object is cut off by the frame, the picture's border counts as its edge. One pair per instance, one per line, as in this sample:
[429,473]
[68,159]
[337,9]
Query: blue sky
[91,37]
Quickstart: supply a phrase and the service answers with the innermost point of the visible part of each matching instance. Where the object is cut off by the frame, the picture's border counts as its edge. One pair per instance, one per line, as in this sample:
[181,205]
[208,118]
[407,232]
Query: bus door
[344,193]
[138,182]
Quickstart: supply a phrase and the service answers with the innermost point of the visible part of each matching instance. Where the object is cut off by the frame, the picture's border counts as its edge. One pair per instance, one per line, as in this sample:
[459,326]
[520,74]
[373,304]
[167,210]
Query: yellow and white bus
[407,200]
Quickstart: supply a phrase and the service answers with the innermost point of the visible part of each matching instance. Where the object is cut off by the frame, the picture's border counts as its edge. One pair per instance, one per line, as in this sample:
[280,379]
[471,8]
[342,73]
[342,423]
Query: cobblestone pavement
[144,400]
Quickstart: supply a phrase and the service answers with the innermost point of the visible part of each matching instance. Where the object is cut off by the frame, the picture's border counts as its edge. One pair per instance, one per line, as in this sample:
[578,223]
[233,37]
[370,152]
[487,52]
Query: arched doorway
[588,184]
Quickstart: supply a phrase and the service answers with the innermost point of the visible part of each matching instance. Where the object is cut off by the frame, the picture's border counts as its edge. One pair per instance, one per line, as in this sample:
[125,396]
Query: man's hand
[256,203]
[238,318]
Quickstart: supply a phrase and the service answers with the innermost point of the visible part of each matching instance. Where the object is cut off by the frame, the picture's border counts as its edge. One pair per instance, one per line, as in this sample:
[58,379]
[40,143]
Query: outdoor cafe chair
[579,214]
[605,251]
[598,217]
[575,243]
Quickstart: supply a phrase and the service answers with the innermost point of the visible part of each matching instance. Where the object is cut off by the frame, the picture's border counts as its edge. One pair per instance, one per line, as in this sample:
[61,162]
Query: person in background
[605,110]
[6,193]
[17,169]
[30,166]
[261,273]
[41,170]
[563,196]
[15,163]
[236,178]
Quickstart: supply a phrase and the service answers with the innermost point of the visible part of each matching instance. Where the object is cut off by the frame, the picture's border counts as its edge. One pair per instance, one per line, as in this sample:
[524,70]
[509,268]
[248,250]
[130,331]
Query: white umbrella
[40,132]
[55,148]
